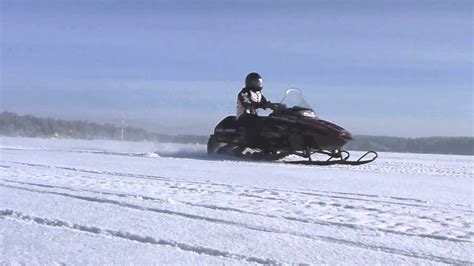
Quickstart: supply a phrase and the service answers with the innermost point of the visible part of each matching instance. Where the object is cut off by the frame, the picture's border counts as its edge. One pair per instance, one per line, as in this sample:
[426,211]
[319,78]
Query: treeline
[434,145]
[15,125]
[12,124]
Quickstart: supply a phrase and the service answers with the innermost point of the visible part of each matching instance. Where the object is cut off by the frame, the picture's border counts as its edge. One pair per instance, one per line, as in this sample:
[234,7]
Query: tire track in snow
[162,178]
[10,214]
[230,209]
[321,238]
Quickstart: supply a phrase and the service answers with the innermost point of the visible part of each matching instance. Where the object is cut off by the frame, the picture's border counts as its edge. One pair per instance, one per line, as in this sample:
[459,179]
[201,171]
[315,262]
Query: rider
[249,100]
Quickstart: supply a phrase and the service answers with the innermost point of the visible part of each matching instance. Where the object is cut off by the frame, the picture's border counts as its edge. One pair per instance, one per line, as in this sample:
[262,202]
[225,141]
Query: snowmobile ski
[344,161]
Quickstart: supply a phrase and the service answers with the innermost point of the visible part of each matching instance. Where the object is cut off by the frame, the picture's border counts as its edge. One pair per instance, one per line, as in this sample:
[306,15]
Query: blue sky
[399,68]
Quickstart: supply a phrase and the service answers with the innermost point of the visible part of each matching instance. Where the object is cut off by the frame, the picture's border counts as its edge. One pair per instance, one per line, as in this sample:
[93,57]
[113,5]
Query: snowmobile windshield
[294,98]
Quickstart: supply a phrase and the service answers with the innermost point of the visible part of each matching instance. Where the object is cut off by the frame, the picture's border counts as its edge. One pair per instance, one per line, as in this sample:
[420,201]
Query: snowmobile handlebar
[275,106]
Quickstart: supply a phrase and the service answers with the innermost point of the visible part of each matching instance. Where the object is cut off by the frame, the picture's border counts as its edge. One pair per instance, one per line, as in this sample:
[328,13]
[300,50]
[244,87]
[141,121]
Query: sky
[395,68]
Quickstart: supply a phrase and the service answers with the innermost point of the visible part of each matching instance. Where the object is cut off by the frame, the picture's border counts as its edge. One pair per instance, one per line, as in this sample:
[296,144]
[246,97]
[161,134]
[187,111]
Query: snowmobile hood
[332,128]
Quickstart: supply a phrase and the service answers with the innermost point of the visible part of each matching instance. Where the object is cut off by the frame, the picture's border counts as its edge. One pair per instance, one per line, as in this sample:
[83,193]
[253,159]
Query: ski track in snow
[442,217]
[130,236]
[289,223]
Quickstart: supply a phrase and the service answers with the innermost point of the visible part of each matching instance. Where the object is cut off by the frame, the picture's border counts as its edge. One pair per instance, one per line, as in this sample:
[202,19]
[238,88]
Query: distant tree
[12,124]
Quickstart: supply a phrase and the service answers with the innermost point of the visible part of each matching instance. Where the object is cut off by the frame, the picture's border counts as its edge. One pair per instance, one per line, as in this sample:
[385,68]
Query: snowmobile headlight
[308,113]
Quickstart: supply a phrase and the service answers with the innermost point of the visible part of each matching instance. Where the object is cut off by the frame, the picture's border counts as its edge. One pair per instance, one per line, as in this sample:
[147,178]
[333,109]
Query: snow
[108,202]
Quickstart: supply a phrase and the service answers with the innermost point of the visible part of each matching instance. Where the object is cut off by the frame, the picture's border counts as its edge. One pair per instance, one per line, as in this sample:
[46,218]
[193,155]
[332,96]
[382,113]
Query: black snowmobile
[291,129]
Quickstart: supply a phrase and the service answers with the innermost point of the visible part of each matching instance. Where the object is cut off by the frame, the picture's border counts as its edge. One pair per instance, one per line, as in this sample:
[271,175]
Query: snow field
[78,202]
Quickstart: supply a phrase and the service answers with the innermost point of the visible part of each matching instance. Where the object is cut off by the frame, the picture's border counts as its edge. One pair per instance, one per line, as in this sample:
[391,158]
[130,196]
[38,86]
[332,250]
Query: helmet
[253,81]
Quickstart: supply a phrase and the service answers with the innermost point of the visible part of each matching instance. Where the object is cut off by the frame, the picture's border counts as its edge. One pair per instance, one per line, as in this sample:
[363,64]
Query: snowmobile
[292,128]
